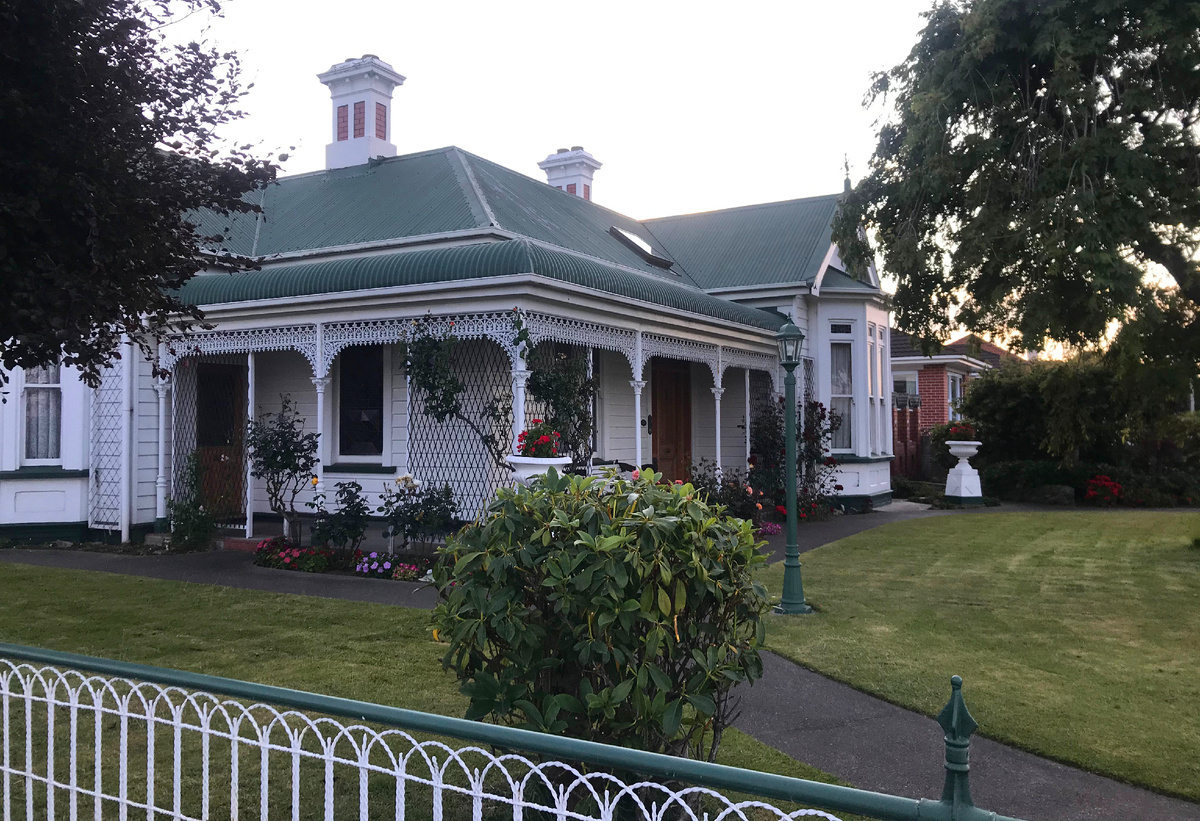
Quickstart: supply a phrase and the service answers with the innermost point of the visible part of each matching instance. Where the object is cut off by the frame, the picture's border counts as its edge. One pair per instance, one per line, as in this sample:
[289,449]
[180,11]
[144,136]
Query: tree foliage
[1040,157]
[108,150]
[610,610]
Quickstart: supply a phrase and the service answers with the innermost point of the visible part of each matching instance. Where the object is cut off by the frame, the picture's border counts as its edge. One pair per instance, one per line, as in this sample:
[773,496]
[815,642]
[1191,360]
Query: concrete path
[878,746]
[866,741]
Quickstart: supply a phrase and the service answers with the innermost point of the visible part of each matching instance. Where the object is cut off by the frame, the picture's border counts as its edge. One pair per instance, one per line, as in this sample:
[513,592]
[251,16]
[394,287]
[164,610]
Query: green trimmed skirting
[46,532]
[859,502]
[850,459]
[966,501]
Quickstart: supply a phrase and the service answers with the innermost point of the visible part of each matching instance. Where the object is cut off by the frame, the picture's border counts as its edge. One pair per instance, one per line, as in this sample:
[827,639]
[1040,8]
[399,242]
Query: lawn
[1077,633]
[356,650]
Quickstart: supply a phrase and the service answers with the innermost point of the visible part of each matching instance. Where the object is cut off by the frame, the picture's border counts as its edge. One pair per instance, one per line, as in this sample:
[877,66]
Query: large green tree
[1039,159]
[108,142]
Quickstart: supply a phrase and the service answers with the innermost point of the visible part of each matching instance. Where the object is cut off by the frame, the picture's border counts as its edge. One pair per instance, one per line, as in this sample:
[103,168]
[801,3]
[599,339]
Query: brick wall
[932,386]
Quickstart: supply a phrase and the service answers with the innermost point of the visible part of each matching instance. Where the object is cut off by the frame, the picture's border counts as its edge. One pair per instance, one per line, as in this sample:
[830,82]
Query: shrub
[283,456]
[606,609]
[415,513]
[281,553]
[346,527]
[192,527]
[1103,491]
[728,488]
[815,465]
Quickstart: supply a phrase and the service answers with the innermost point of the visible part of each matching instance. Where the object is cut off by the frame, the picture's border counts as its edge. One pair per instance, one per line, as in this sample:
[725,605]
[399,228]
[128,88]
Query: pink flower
[637,474]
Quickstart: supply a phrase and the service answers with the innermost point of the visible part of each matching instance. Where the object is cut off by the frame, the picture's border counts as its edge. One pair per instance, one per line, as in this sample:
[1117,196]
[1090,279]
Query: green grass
[1077,634]
[355,650]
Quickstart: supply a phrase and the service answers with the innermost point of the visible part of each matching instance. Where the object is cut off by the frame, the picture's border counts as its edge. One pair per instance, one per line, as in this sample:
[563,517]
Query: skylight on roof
[640,247]
[636,240]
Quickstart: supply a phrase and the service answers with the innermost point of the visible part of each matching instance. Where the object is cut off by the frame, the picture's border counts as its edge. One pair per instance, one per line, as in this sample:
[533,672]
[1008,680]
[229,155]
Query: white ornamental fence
[94,738]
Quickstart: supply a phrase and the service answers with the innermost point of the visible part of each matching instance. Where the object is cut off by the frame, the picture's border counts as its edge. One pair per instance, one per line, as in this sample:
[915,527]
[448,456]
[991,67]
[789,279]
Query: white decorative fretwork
[302,338]
[686,349]
[497,327]
[82,741]
[754,361]
[544,327]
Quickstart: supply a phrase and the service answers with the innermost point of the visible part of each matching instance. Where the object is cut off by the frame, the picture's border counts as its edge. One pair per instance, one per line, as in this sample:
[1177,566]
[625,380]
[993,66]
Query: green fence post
[958,724]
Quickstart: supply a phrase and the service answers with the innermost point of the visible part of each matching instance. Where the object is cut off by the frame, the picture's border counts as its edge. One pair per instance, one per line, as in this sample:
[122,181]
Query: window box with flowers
[537,452]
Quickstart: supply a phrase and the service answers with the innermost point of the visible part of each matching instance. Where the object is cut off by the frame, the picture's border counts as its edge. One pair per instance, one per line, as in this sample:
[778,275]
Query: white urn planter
[524,468]
[962,482]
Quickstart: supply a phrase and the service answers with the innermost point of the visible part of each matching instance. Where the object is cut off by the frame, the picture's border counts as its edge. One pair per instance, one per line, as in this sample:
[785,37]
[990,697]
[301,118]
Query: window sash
[360,403]
[43,423]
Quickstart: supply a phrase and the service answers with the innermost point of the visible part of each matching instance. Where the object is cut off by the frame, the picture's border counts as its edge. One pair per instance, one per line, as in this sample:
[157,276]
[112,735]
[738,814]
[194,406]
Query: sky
[690,106]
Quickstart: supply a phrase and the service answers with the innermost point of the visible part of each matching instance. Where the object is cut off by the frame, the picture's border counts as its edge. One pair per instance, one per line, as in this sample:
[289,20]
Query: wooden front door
[220,438]
[671,404]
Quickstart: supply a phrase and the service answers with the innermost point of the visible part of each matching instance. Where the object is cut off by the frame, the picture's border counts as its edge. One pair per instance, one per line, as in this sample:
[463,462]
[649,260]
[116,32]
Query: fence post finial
[958,725]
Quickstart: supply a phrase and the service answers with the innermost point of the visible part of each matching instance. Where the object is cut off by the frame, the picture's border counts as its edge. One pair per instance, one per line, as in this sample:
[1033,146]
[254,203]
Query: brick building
[926,390]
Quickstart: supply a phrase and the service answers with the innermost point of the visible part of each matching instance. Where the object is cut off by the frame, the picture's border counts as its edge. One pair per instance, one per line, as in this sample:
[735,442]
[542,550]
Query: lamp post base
[801,609]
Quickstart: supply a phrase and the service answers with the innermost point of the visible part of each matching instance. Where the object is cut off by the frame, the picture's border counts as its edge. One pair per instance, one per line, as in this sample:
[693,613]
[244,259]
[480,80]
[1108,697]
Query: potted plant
[537,452]
[962,440]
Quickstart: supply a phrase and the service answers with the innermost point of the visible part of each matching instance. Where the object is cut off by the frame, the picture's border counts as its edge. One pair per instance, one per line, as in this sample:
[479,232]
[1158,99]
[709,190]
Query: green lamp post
[790,338]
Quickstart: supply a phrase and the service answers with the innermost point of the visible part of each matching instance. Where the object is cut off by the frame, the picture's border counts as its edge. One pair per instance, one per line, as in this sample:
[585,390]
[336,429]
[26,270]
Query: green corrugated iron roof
[464,262]
[448,190]
[417,194]
[778,242]
[840,279]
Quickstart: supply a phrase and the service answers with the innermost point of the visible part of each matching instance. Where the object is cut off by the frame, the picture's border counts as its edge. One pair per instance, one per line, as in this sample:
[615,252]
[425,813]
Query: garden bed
[402,565]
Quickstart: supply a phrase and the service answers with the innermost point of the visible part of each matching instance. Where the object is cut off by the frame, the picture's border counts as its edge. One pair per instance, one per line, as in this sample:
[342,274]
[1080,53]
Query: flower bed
[279,552]
[402,567]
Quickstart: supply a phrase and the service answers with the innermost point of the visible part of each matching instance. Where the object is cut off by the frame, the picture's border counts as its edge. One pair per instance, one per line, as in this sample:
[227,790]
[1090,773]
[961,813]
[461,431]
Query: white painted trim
[816,286]
[489,294]
[943,359]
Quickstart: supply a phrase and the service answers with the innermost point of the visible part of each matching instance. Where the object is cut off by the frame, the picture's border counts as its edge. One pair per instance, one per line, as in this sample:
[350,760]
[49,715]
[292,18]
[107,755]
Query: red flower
[781,510]
[537,421]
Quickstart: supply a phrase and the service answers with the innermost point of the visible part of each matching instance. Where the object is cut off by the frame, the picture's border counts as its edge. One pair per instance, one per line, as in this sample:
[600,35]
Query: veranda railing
[96,738]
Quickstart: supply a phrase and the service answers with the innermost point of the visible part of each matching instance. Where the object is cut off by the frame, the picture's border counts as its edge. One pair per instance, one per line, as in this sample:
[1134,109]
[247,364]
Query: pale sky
[690,106]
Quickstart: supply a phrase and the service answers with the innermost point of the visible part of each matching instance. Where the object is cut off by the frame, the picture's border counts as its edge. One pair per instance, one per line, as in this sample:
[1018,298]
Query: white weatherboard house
[677,316]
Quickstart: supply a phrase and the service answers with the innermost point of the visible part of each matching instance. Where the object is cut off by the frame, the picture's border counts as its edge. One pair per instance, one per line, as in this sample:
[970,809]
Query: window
[873,379]
[360,118]
[43,414]
[343,122]
[360,402]
[587,191]
[841,328]
[842,393]
[570,188]
[954,395]
[381,121]
[904,383]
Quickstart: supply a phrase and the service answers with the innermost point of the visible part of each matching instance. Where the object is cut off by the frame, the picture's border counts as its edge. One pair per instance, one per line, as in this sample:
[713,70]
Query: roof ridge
[377,161]
[749,207]
[475,189]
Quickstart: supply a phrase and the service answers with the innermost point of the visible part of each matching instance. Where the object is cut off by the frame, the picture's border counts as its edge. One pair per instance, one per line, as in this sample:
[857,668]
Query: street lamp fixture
[790,339]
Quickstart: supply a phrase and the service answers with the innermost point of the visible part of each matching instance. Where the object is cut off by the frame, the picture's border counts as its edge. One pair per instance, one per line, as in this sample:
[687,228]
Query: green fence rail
[957,723]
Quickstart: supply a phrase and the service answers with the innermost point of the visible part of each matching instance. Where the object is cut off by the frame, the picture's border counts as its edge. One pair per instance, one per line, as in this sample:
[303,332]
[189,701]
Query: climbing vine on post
[567,392]
[430,362]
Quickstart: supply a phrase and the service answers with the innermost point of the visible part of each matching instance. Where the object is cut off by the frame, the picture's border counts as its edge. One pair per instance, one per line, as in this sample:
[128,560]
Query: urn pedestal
[962,482]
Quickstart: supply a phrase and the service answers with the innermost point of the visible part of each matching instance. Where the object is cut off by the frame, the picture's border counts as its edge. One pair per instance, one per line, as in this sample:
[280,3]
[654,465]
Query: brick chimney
[361,89]
[571,170]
